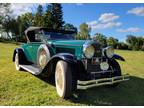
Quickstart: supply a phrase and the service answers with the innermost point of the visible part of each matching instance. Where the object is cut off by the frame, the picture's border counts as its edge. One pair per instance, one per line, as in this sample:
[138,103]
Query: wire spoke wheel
[42,59]
[43,55]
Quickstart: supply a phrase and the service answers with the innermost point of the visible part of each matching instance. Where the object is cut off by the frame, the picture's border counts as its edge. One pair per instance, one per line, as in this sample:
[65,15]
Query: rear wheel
[17,62]
[65,80]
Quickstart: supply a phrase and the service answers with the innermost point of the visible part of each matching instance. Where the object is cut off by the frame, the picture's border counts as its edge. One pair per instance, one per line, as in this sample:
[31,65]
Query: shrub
[122,45]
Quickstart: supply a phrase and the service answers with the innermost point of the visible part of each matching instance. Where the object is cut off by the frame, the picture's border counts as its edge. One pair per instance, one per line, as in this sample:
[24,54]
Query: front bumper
[103,81]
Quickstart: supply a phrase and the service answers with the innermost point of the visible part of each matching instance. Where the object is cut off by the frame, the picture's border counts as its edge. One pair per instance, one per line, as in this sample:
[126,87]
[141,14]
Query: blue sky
[117,20]
[124,18]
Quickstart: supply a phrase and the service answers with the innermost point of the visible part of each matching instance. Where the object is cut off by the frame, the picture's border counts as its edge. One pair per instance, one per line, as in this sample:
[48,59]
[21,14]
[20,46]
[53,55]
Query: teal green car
[72,63]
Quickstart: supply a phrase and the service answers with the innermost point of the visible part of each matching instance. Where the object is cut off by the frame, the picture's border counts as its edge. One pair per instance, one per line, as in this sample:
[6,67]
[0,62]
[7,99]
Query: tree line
[52,18]
[131,43]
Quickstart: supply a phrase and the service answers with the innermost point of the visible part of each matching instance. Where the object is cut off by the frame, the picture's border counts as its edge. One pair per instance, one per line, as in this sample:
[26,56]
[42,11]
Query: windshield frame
[39,32]
[49,35]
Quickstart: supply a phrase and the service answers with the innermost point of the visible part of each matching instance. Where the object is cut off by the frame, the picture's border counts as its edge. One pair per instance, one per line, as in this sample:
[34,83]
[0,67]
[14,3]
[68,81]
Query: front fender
[116,56]
[66,57]
[60,56]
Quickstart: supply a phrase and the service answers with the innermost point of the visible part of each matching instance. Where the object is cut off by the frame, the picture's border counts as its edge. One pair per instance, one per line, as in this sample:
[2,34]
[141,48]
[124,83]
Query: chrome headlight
[108,51]
[88,51]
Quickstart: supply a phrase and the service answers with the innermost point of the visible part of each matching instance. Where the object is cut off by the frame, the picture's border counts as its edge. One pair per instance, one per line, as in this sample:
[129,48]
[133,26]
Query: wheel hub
[42,59]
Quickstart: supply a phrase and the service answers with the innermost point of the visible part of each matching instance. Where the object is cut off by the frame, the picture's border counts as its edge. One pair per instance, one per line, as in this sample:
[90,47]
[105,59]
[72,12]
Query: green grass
[22,88]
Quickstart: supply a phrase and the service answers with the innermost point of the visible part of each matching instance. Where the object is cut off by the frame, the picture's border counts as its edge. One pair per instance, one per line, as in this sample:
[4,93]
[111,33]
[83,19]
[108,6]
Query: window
[34,37]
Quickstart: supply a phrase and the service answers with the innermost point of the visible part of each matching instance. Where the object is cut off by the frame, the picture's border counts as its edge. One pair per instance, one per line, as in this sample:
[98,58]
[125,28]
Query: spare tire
[43,56]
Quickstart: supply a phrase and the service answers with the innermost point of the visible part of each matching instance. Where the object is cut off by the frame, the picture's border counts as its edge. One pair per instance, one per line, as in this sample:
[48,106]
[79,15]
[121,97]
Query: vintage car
[73,63]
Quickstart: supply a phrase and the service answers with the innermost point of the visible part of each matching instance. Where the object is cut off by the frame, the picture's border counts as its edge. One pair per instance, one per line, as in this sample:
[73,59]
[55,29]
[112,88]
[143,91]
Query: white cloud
[131,29]
[112,24]
[92,23]
[105,21]
[3,10]
[139,11]
[106,25]
[21,8]
[106,17]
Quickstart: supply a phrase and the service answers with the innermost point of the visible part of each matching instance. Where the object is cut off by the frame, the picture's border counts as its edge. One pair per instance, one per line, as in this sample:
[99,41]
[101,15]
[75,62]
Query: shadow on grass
[50,80]
[127,93]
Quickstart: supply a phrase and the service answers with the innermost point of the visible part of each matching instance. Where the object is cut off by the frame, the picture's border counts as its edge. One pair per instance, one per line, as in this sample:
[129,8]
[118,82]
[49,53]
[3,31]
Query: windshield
[57,35]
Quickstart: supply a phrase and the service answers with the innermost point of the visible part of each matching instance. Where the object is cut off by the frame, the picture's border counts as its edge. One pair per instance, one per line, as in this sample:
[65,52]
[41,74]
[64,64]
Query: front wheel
[65,79]
[117,71]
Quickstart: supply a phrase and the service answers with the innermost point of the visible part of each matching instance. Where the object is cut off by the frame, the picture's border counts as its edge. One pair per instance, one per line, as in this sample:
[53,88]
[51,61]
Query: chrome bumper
[103,81]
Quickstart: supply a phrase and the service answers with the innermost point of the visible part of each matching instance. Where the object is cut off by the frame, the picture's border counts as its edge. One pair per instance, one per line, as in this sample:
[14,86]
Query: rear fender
[21,55]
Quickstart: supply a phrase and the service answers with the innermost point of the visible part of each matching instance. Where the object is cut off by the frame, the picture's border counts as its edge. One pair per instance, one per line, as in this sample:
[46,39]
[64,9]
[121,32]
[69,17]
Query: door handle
[30,46]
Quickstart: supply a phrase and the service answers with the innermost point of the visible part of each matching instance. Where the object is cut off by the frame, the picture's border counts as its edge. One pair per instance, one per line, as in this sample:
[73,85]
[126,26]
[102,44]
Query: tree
[140,42]
[112,42]
[101,39]
[24,21]
[27,20]
[143,45]
[1,18]
[38,19]
[48,17]
[57,15]
[5,9]
[18,25]
[53,17]
[6,25]
[135,42]
[5,18]
[122,45]
[84,32]
[68,26]
[132,42]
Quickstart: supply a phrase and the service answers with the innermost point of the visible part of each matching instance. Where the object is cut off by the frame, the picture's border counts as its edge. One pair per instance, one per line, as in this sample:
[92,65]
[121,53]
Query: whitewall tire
[63,79]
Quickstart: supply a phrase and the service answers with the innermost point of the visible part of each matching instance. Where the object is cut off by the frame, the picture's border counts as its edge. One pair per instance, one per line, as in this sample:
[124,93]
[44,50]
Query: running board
[31,68]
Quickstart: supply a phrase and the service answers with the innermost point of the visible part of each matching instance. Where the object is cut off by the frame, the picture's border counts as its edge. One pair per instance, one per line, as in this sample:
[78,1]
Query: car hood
[67,42]
[74,47]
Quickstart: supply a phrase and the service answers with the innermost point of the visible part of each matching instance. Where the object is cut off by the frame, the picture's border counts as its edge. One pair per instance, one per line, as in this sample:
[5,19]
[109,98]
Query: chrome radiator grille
[93,68]
[93,65]
[98,50]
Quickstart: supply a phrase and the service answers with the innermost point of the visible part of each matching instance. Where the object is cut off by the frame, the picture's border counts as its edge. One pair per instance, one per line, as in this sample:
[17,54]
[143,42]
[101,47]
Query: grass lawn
[22,88]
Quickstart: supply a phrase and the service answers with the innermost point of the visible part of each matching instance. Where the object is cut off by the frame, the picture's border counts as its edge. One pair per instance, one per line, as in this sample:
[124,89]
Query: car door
[28,51]
[31,48]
